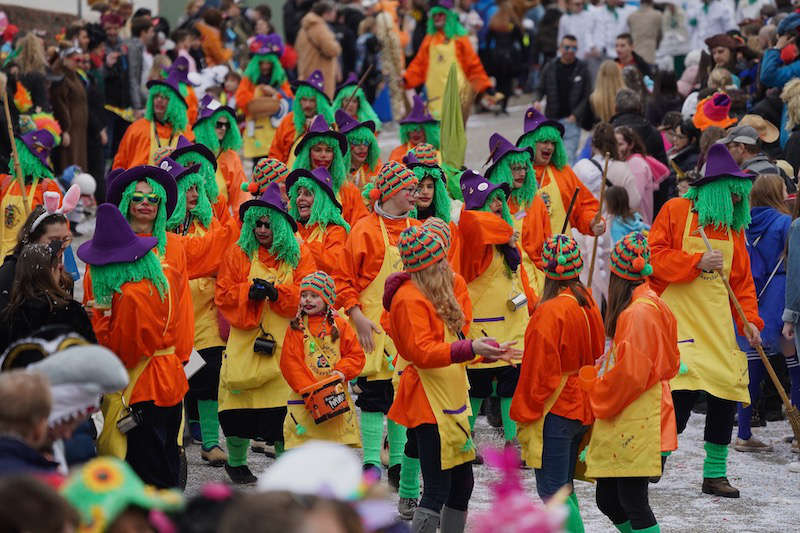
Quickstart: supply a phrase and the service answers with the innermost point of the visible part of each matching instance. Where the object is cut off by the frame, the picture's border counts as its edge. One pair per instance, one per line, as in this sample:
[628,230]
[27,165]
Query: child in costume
[318,345]
[364,152]
[189,153]
[417,127]
[564,334]
[258,291]
[350,98]
[685,274]
[629,391]
[265,172]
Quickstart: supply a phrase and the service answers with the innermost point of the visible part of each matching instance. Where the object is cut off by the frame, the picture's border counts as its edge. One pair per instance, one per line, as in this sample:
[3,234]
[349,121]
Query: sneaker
[216,456]
[407,506]
[794,467]
[240,475]
[393,477]
[259,446]
[751,445]
[719,486]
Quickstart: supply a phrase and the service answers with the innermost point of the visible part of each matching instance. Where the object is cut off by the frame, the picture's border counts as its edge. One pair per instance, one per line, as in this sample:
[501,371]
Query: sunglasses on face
[221,125]
[570,48]
[262,224]
[151,198]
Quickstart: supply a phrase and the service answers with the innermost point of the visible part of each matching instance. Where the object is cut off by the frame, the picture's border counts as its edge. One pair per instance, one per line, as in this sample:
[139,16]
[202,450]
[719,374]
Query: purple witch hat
[210,105]
[720,165]
[351,79]
[172,81]
[499,147]
[185,146]
[346,123]
[179,69]
[270,198]
[319,175]
[446,4]
[159,174]
[177,170]
[114,241]
[112,175]
[476,189]
[266,44]
[418,114]
[535,120]
[316,81]
[319,128]
[40,143]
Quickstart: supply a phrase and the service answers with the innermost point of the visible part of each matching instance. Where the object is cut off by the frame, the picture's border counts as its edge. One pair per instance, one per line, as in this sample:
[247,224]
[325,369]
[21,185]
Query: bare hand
[571,119]
[783,40]
[490,349]
[364,329]
[514,239]
[103,137]
[598,227]
[711,261]
[111,59]
[788,331]
[65,139]
[752,334]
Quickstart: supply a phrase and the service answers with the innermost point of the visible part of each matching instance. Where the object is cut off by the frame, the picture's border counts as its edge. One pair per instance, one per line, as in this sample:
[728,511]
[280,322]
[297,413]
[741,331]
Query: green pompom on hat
[322,284]
[562,258]
[266,171]
[630,258]
[419,248]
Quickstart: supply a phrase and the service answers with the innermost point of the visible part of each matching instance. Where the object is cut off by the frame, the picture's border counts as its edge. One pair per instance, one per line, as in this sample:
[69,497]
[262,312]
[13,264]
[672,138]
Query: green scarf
[108,279]
[284,243]
[715,206]
[323,107]
[524,195]
[32,166]
[206,170]
[176,114]
[205,133]
[323,210]
[546,133]
[452,26]
[363,135]
[365,110]
[160,223]
[253,70]
[431,130]
[499,193]
[338,168]
[202,210]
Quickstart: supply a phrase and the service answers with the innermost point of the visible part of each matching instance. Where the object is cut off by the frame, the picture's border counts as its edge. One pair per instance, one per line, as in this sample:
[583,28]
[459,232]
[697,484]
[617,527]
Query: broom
[597,219]
[791,412]
[14,154]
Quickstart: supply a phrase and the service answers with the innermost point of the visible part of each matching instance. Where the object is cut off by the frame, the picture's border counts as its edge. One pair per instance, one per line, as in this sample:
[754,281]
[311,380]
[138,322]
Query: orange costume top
[363,175]
[11,186]
[134,149]
[586,205]
[535,227]
[230,166]
[558,342]
[417,70]
[205,248]
[213,49]
[246,91]
[284,139]
[327,246]
[400,152]
[191,104]
[353,206]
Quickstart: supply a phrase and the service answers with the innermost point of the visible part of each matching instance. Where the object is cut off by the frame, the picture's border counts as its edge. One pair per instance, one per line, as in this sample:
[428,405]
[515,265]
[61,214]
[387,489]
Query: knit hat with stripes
[419,248]
[266,171]
[440,229]
[562,258]
[630,258]
[426,154]
[392,177]
[322,284]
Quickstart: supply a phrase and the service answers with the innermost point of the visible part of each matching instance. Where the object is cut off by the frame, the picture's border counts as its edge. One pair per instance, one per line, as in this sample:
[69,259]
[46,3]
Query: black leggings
[625,498]
[452,487]
[719,416]
[153,450]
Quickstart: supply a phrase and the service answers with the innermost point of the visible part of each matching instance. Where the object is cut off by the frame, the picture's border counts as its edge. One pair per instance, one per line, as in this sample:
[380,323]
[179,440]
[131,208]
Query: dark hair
[213,17]
[143,12]
[671,120]
[233,74]
[627,36]
[297,322]
[618,203]
[33,279]
[665,85]
[628,101]
[265,11]
[73,30]
[632,138]
[32,505]
[26,236]
[139,25]
[569,37]
[603,139]
[322,7]
[179,35]
[620,292]
[553,288]
[690,130]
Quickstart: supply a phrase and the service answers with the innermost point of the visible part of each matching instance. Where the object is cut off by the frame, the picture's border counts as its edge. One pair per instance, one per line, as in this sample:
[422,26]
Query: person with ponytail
[429,328]
[564,334]
[417,127]
[350,98]
[364,152]
[629,391]
[188,153]
[319,345]
[258,291]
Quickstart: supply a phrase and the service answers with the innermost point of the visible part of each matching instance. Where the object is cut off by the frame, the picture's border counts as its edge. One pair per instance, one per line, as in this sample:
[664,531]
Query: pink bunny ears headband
[51,200]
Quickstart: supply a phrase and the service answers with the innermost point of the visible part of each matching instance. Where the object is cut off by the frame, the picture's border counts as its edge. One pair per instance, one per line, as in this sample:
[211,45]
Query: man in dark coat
[629,113]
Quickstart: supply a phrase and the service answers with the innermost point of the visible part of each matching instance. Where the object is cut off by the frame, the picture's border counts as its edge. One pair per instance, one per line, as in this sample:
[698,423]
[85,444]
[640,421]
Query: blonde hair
[436,283]
[160,64]
[720,78]
[791,97]
[31,56]
[768,191]
[608,82]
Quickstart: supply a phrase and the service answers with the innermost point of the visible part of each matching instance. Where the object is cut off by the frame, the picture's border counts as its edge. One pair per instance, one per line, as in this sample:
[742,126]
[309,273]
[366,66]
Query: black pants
[153,451]
[719,416]
[625,498]
[204,385]
[375,396]
[261,424]
[451,487]
[480,381]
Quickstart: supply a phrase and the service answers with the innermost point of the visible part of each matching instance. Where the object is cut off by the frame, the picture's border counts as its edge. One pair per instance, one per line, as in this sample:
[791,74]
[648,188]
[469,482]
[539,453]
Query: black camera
[131,420]
[265,344]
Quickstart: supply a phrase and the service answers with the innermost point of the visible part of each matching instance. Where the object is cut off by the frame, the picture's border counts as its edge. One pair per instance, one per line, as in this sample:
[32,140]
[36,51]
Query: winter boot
[424,521]
[453,520]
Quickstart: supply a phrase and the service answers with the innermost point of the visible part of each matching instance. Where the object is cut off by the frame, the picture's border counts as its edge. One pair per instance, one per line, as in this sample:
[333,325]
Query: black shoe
[393,477]
[240,475]
[757,421]
[656,479]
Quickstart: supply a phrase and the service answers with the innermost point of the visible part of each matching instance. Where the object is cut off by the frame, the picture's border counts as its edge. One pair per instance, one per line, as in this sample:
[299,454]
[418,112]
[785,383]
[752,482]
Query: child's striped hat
[426,154]
[322,284]
[266,171]
[441,230]
[630,258]
[392,177]
[562,258]
[419,248]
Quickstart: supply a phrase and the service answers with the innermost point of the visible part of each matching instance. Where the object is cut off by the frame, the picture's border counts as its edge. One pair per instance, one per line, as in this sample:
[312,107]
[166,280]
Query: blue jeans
[559,453]
[572,136]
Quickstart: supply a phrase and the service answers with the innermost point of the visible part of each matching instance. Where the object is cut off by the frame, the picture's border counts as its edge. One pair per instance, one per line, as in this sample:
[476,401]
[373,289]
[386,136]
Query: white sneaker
[794,467]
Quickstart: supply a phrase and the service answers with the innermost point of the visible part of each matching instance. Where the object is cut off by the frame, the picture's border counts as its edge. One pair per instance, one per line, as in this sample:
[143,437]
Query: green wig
[205,133]
[365,110]
[108,279]
[363,135]
[546,133]
[524,195]
[253,70]
[203,210]
[714,204]
[431,130]
[323,106]
[160,223]
[499,193]
[176,113]
[32,166]
[284,244]
[338,168]
[206,170]
[441,201]
[323,210]
[452,26]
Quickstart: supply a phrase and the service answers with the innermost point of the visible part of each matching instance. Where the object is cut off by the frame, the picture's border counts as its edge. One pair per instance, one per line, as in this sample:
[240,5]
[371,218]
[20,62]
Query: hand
[752,334]
[111,59]
[65,139]
[364,329]
[490,349]
[514,239]
[339,374]
[598,227]
[272,292]
[711,261]
[783,40]
[788,331]
[571,119]
[103,137]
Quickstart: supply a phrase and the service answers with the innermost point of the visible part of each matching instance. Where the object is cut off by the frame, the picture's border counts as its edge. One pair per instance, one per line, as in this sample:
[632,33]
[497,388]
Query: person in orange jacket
[188,153]
[629,391]
[688,278]
[429,328]
[417,127]
[319,345]
[265,172]
[363,148]
[564,334]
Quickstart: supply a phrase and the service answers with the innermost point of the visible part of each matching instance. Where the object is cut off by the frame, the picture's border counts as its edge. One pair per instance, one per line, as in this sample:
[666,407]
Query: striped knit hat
[630,258]
[440,229]
[425,154]
[265,172]
[392,177]
[562,258]
[322,284]
[419,248]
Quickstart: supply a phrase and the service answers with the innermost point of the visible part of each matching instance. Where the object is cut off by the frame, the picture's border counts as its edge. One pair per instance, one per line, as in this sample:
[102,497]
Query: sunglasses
[262,224]
[151,198]
[570,48]
[221,125]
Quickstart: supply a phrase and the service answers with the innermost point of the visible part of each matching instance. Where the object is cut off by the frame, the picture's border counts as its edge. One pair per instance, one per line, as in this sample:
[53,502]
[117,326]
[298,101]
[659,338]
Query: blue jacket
[16,457]
[622,226]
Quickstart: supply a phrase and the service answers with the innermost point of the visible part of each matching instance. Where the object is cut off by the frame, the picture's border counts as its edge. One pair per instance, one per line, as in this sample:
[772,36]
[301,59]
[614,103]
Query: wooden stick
[14,154]
[355,91]
[597,218]
[569,210]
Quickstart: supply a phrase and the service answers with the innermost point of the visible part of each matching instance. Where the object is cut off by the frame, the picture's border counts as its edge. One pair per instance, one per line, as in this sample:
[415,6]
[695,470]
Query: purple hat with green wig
[319,175]
[419,114]
[40,143]
[271,199]
[319,128]
[535,120]
[177,170]
[160,174]
[346,123]
[266,44]
[185,146]
[114,241]
[499,147]
[476,189]
[316,81]
[172,81]
[210,105]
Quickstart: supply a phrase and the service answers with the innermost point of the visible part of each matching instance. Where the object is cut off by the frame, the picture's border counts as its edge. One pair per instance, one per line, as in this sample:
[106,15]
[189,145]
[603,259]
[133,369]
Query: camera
[131,420]
[265,344]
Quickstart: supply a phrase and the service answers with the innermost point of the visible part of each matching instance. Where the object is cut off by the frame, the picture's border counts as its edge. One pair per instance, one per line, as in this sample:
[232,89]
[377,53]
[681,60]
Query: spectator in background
[183,43]
[629,113]
[627,57]
[33,68]
[142,31]
[607,84]
[293,13]
[645,29]
[210,29]
[317,48]
[577,20]
[609,22]
[506,56]
[665,97]
[25,404]
[346,36]
[191,14]
[707,18]
[744,145]
[71,109]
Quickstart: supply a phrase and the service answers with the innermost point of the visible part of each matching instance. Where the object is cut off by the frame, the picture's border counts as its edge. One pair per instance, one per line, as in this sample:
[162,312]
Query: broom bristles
[794,420]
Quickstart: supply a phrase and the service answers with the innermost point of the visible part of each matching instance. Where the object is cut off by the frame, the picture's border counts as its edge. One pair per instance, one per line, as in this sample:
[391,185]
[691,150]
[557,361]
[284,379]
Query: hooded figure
[417,127]
[357,106]
[363,150]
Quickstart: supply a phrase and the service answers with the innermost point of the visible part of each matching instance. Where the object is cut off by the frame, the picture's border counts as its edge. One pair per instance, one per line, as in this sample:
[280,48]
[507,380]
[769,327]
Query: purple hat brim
[91,255]
[191,169]
[370,125]
[428,119]
[296,174]
[198,148]
[41,157]
[556,124]
[152,83]
[258,202]
[514,150]
[308,137]
[117,187]
[217,110]
[492,187]
[299,83]
[710,179]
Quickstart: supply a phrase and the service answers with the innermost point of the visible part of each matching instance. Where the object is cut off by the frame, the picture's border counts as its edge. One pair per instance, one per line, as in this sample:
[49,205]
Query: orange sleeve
[535,230]
[454,254]
[670,263]
[741,281]
[352,355]
[284,138]
[184,312]
[399,153]
[287,89]
[333,249]
[289,293]
[586,205]
[482,230]
[204,253]
[293,364]
[352,277]
[471,65]
[134,148]
[417,70]
[191,104]
[353,208]
[527,288]
[244,94]
[233,173]
[233,287]
[132,334]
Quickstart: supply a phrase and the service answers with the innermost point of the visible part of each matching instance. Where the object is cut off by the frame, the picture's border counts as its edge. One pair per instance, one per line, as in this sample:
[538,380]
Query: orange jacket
[400,152]
[204,253]
[284,138]
[246,91]
[293,357]
[232,171]
[535,228]
[586,205]
[353,207]
[329,252]
[672,265]
[417,70]
[191,104]
[557,341]
[646,353]
[11,186]
[211,41]
[134,149]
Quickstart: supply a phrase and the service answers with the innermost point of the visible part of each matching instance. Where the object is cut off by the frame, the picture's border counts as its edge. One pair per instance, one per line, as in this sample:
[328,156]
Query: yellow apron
[258,135]
[159,147]
[557,211]
[371,300]
[705,327]
[441,56]
[535,276]
[222,185]
[13,208]
[206,326]
[321,355]
[249,380]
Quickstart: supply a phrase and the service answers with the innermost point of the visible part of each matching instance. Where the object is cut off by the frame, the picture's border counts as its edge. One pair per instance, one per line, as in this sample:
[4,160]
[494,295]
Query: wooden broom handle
[14,154]
[597,219]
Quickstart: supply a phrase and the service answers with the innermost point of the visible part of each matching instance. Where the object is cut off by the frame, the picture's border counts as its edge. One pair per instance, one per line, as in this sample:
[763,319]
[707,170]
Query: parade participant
[153,136]
[258,291]
[180,70]
[370,256]
[313,205]
[553,413]
[317,346]
[629,392]
[446,43]
[322,147]
[260,92]
[363,145]
[428,327]
[310,100]
[351,99]
[417,127]
[688,277]
[265,172]
[188,153]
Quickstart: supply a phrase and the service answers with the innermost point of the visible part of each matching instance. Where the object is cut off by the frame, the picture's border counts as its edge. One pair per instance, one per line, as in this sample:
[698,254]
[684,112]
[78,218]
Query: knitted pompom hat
[630,258]
[322,284]
[426,154]
[562,258]
[419,248]
[392,177]
[440,229]
[266,171]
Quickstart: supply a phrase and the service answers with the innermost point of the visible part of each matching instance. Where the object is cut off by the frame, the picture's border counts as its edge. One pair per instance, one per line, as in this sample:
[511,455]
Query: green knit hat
[630,258]
[392,177]
[322,284]
[419,248]
[265,172]
[440,229]
[562,258]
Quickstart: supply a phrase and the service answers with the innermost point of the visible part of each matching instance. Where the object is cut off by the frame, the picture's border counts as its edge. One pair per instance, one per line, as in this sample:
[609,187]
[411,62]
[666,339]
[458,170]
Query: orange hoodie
[134,149]
[329,252]
[535,228]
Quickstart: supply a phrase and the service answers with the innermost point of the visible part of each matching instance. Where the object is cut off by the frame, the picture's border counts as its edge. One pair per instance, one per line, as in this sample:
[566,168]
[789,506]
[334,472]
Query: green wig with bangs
[363,135]
[323,210]
[441,201]
[253,70]
[202,210]
[108,279]
[176,113]
[524,195]
[160,223]
[452,26]
[365,110]
[205,133]
[323,106]
[546,133]
[431,130]
[284,244]
[715,206]
[499,193]
[206,170]
[338,168]
[32,166]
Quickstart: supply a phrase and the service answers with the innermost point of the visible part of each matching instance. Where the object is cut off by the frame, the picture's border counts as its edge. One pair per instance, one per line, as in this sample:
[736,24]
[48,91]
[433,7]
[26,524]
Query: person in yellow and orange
[188,153]
[417,127]
[153,136]
[265,172]
[317,346]
[564,334]
[688,278]
[629,391]
[429,328]
[363,148]
[258,291]
[263,95]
